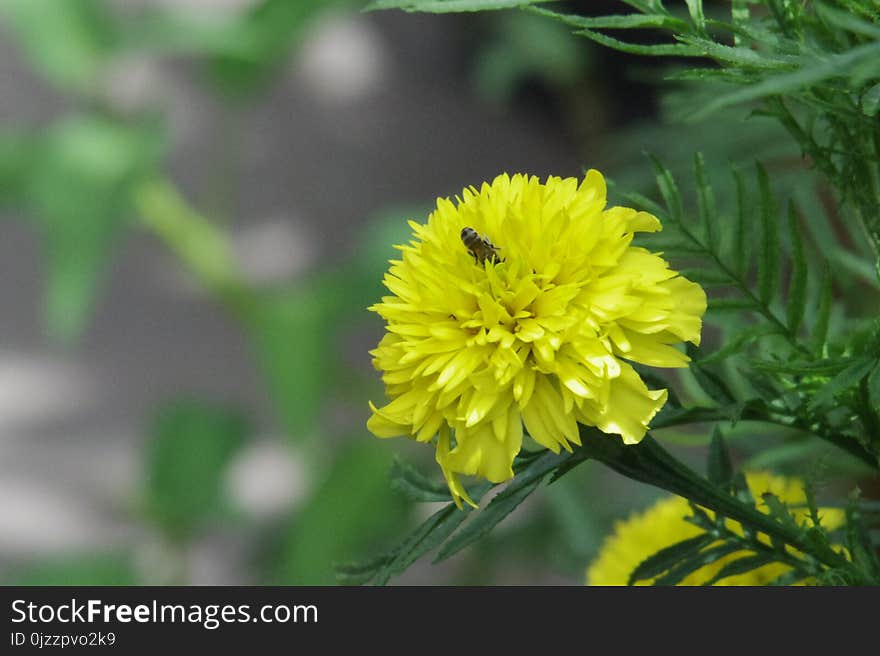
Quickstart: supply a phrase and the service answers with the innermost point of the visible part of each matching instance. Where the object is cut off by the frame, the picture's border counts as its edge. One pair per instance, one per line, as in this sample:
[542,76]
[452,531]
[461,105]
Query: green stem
[649,463]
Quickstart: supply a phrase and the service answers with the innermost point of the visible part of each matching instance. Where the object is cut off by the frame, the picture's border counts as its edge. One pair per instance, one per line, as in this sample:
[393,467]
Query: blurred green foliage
[68,42]
[191,445]
[78,192]
[521,47]
[352,509]
[88,176]
[85,178]
[110,568]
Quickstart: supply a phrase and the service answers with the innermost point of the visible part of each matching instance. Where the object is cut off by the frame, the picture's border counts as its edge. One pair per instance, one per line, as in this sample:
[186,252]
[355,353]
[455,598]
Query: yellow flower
[663,524]
[537,335]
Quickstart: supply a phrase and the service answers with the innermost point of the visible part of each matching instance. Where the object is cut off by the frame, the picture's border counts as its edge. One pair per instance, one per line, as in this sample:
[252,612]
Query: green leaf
[858,540]
[449,6]
[706,557]
[719,469]
[848,22]
[431,533]
[768,267]
[811,73]
[663,560]
[675,245]
[742,254]
[710,382]
[739,11]
[505,502]
[739,57]
[743,565]
[351,508]
[713,385]
[790,452]
[646,6]
[437,528]
[291,334]
[707,277]
[823,315]
[644,203]
[870,101]
[669,416]
[695,9]
[789,578]
[616,22]
[741,489]
[415,486]
[668,190]
[764,385]
[96,569]
[779,510]
[874,387]
[707,75]
[849,377]
[812,505]
[360,573]
[706,203]
[797,291]
[667,49]
[730,304]
[191,445]
[825,367]
[739,342]
[649,463]
[850,264]
[69,42]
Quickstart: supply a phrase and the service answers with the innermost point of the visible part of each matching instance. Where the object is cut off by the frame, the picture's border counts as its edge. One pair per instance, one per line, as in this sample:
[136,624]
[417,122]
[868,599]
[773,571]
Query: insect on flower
[539,346]
[480,247]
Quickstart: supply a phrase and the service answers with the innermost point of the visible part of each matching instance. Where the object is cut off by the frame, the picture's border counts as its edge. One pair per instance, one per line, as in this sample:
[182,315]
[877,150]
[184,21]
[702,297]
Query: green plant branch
[819,58]
[716,529]
[646,462]
[196,241]
[759,412]
[649,463]
[780,555]
[865,202]
[741,285]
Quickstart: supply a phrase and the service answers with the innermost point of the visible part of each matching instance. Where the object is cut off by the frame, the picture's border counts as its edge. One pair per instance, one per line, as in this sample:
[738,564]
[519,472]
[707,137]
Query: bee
[480,247]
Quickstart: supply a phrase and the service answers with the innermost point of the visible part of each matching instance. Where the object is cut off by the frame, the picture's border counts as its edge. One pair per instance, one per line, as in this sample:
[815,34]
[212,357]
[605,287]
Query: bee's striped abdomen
[480,247]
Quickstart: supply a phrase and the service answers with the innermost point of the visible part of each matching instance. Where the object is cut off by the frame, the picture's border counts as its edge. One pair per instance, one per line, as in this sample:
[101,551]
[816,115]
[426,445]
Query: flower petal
[629,408]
